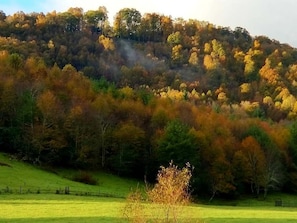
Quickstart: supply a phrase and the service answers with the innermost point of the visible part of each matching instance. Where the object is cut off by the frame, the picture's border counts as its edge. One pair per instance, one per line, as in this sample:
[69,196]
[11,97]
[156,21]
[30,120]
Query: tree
[2,16]
[107,43]
[103,109]
[76,126]
[178,144]
[166,26]
[127,22]
[48,137]
[218,167]
[15,61]
[194,59]
[215,54]
[97,20]
[128,153]
[272,169]
[174,38]
[8,115]
[292,154]
[176,54]
[151,28]
[256,163]
[73,18]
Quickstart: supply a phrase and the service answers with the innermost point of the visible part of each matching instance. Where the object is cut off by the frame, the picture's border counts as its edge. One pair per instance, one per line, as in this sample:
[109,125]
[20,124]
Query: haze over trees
[77,91]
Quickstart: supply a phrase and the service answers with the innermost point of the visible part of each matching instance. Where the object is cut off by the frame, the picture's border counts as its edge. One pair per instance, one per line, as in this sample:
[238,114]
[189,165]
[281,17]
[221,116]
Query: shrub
[85,177]
[165,201]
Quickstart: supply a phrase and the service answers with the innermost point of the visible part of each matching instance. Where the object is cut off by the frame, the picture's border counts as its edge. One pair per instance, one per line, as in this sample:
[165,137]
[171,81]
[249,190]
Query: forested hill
[78,91]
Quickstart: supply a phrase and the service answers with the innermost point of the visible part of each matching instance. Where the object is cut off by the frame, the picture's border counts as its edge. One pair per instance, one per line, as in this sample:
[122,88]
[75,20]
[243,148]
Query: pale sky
[276,19]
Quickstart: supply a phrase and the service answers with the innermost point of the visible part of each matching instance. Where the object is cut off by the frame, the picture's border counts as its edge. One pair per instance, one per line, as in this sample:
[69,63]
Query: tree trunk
[212,196]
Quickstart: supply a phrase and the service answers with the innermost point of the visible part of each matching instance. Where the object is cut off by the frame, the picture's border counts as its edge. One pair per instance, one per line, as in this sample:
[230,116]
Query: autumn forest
[78,91]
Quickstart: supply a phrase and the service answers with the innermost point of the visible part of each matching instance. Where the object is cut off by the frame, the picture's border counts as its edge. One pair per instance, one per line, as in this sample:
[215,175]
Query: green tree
[175,38]
[126,23]
[15,61]
[97,19]
[291,183]
[9,129]
[177,144]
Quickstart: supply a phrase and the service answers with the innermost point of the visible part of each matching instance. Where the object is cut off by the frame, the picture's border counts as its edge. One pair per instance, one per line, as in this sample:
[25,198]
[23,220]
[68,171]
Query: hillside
[78,92]
[18,177]
[172,58]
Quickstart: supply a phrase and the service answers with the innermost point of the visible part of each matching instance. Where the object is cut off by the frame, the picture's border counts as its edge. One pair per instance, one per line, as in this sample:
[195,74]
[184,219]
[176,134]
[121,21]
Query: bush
[165,201]
[85,177]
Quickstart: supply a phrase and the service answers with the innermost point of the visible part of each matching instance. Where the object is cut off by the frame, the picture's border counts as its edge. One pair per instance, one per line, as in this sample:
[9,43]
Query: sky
[275,19]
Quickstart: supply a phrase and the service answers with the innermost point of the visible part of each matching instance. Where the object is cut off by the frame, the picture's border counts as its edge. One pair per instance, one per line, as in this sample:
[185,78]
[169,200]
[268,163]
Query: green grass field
[63,208]
[51,207]
[20,177]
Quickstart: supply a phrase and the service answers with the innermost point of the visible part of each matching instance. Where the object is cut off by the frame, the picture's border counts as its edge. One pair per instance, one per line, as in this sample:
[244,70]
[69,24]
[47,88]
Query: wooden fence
[65,190]
[282,203]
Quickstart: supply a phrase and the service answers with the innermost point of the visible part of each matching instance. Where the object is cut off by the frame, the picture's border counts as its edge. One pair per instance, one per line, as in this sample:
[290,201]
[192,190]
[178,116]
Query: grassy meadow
[62,208]
[50,207]
[19,177]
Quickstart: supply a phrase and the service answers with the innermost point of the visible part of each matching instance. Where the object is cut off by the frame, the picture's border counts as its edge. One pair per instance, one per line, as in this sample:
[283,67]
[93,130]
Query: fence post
[67,191]
[278,203]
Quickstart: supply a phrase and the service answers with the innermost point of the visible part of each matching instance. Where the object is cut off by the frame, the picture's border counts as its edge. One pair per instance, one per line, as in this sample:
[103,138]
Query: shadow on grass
[65,219]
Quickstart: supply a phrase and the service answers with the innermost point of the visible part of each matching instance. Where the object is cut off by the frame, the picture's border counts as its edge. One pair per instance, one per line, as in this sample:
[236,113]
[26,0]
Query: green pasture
[68,208]
[22,203]
[19,177]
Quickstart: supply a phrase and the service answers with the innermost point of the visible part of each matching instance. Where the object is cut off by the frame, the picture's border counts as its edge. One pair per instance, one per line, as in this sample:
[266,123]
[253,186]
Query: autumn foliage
[79,92]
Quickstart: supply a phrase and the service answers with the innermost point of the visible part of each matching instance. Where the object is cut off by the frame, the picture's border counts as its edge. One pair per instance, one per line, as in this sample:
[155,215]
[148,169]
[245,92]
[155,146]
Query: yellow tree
[177,55]
[209,62]
[107,43]
[193,60]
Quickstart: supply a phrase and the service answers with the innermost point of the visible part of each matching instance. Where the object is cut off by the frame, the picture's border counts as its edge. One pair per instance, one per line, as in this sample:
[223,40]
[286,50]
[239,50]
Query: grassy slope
[19,176]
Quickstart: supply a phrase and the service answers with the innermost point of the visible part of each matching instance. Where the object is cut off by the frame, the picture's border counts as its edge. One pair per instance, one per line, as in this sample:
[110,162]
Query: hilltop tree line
[78,92]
